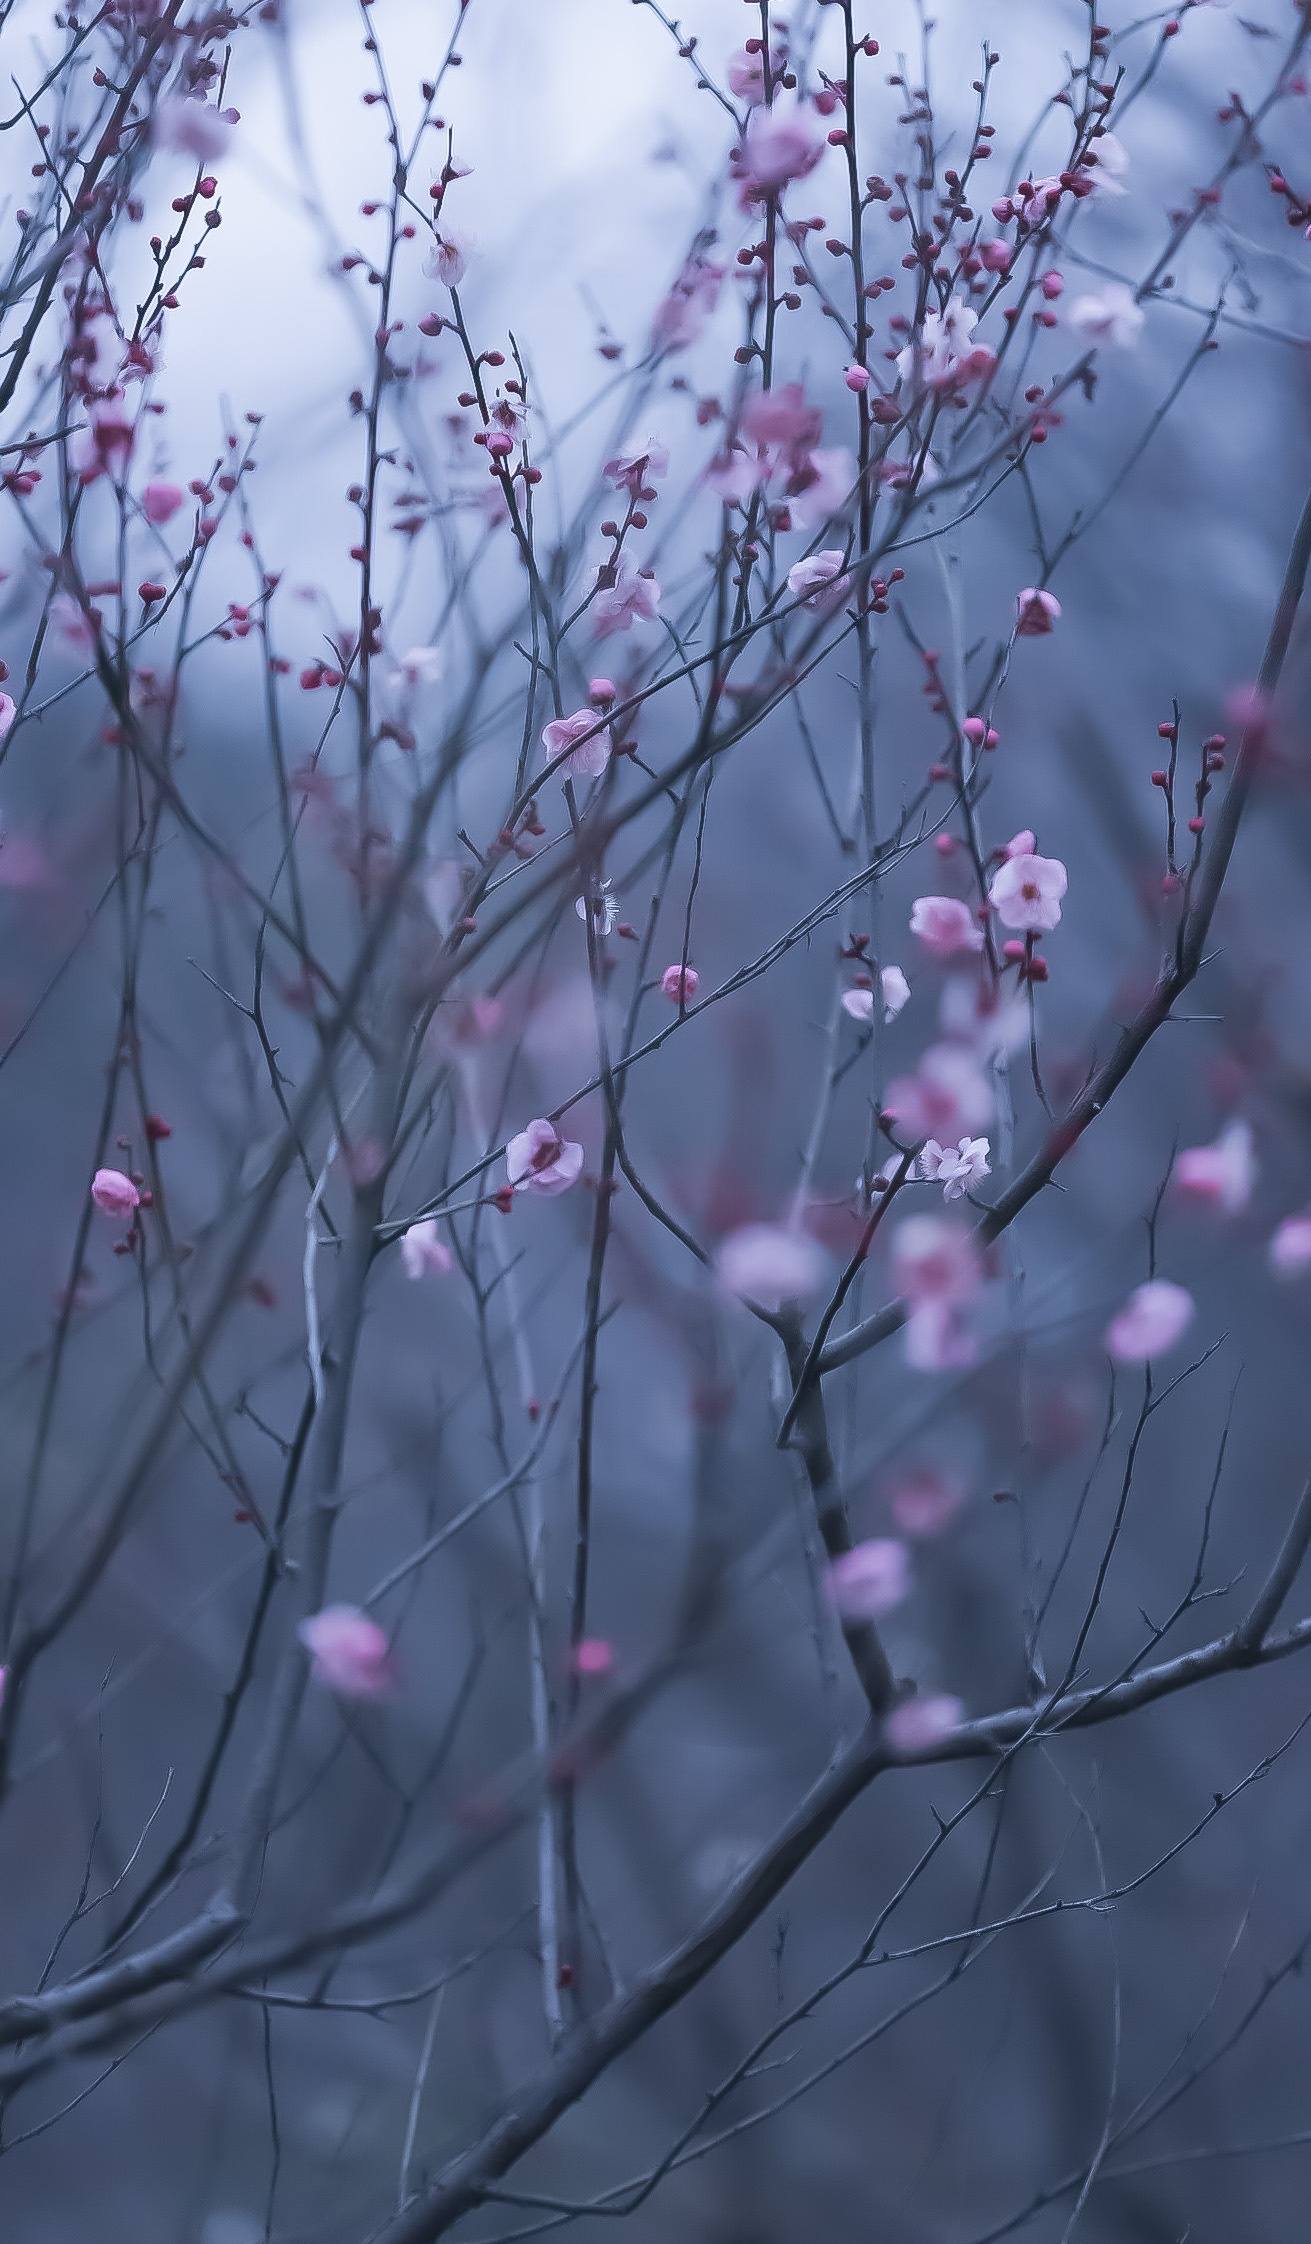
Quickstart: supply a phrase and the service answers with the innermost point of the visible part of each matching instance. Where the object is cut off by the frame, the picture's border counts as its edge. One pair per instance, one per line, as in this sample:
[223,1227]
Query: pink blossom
[1154,1317]
[633,597]
[8,712]
[420,666]
[894,990]
[983,1016]
[819,577]
[935,1261]
[945,926]
[1113,316]
[938,1338]
[1022,844]
[588,761]
[539,1160]
[160,501]
[423,1253]
[1026,893]
[1035,612]
[956,1168]
[943,356]
[925,1501]
[1290,1247]
[114,1194]
[734,475]
[780,144]
[349,1652]
[594,1656]
[1041,201]
[680,983]
[820,487]
[1220,1175]
[770,1264]
[448,259]
[948,1096]
[746,75]
[681,315]
[107,439]
[637,465]
[782,421]
[192,128]
[870,1580]
[920,1724]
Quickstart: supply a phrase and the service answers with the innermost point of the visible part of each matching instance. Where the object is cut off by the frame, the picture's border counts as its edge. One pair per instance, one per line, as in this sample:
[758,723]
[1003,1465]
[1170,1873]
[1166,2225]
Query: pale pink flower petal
[947,1097]
[924,1501]
[920,1724]
[769,1264]
[160,501]
[349,1652]
[935,1260]
[423,1252]
[1155,1316]
[1290,1247]
[895,991]
[114,1194]
[587,762]
[1026,893]
[1112,316]
[1220,1175]
[819,577]
[191,128]
[8,712]
[945,926]
[780,144]
[539,1160]
[871,1580]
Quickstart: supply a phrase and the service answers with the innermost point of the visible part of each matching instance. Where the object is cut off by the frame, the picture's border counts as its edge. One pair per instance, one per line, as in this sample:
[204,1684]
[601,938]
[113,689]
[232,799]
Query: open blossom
[348,1652]
[1112,316]
[870,1580]
[587,761]
[160,501]
[924,1501]
[681,315]
[780,144]
[192,128]
[746,74]
[1026,893]
[634,597]
[935,1260]
[113,1193]
[983,1015]
[8,712]
[819,578]
[540,1160]
[448,259]
[919,1724]
[1035,613]
[637,465]
[954,1167]
[604,908]
[420,666]
[1041,200]
[894,991]
[943,355]
[1290,1246]
[1154,1317]
[945,926]
[948,1096]
[1220,1175]
[680,983]
[770,1264]
[820,487]
[423,1252]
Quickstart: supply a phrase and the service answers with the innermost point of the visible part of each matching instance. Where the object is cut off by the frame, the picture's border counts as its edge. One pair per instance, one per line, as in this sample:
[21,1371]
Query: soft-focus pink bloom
[191,128]
[113,1193]
[107,439]
[587,762]
[746,75]
[920,1724]
[8,712]
[734,475]
[1154,1317]
[870,1580]
[780,144]
[680,983]
[1220,1175]
[983,1016]
[955,1167]
[1112,316]
[1290,1246]
[633,597]
[943,355]
[948,1096]
[1108,159]
[938,1338]
[924,1501]
[349,1652]
[1035,612]
[593,1657]
[160,501]
[782,421]
[420,666]
[820,487]
[945,926]
[539,1160]
[1026,893]
[1041,201]
[769,1264]
[819,577]
[423,1252]
[637,465]
[935,1261]
[448,259]
[681,315]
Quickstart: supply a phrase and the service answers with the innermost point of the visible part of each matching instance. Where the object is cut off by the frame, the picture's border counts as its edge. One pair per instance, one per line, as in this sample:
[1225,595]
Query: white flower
[605,910]
[1113,316]
[954,1167]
